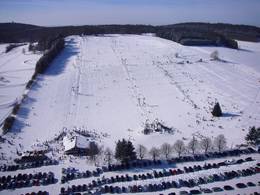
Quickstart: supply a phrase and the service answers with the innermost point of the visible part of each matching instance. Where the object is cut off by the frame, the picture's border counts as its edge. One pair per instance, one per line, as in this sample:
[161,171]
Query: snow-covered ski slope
[16,69]
[113,84]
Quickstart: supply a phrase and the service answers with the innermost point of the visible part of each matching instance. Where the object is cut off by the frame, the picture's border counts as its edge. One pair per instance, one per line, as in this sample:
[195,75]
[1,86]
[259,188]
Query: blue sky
[155,12]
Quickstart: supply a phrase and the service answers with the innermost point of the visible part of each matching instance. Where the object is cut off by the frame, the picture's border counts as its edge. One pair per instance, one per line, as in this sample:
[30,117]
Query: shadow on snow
[226,114]
[59,63]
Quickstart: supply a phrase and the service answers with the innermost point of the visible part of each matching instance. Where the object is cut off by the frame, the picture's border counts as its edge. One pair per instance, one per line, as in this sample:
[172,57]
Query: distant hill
[239,32]
[15,32]
[184,33]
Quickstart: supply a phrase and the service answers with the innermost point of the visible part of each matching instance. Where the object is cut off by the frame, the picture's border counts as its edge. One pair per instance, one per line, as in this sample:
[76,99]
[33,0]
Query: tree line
[220,34]
[126,152]
[42,64]
[187,35]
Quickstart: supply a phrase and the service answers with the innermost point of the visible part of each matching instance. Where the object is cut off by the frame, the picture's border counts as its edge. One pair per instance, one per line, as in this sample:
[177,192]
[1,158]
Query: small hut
[77,145]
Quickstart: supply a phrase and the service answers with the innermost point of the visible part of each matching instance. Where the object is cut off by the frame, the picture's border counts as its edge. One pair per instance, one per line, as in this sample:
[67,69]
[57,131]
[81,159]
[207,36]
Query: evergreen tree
[125,151]
[217,110]
[130,150]
[253,136]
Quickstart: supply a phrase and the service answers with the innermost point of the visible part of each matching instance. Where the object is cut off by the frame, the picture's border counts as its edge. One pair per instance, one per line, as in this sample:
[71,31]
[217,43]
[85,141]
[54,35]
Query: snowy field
[112,85]
[16,69]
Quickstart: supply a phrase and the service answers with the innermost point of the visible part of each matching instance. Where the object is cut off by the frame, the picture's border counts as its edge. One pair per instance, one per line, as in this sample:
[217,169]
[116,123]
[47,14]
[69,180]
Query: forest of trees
[184,33]
[189,35]
[54,49]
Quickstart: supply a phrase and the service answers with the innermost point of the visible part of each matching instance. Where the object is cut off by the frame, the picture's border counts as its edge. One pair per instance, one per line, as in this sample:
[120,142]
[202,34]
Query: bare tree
[155,153]
[166,150]
[179,147]
[214,55]
[108,156]
[206,144]
[220,142]
[141,151]
[193,145]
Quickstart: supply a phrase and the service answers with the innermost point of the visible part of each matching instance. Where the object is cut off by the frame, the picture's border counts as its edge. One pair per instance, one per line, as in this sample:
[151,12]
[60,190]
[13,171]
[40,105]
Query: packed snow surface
[114,84]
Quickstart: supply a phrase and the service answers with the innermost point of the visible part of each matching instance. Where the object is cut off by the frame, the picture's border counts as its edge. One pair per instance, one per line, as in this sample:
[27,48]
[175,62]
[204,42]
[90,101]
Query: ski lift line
[135,92]
[71,116]
[178,86]
[133,87]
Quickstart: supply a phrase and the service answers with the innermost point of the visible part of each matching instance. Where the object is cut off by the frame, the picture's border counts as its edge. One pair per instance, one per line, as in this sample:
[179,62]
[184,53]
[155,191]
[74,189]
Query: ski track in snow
[114,84]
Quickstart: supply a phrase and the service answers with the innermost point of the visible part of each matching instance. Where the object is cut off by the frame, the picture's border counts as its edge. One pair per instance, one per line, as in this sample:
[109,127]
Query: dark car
[228,188]
[216,177]
[241,185]
[184,193]
[186,184]
[174,184]
[239,161]
[192,182]
[217,189]
[195,192]
[250,184]
[251,150]
[206,191]
[249,159]
[201,181]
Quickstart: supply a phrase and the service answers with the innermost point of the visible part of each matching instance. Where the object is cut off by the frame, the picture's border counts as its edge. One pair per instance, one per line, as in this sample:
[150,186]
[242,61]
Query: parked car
[217,189]
[248,159]
[239,161]
[183,192]
[206,191]
[241,185]
[250,184]
[228,188]
[195,192]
